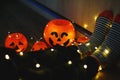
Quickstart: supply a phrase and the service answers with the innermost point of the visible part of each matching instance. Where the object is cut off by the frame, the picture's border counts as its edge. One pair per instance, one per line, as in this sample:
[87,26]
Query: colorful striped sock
[102,27]
[109,50]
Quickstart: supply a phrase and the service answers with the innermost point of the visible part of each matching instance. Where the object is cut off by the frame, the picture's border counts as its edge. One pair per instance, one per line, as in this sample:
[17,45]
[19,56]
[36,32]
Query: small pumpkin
[16,41]
[39,45]
[82,39]
[59,32]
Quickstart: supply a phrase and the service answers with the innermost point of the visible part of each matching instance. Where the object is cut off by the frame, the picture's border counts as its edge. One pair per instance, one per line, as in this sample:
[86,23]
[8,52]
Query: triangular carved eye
[64,34]
[20,43]
[12,44]
[54,33]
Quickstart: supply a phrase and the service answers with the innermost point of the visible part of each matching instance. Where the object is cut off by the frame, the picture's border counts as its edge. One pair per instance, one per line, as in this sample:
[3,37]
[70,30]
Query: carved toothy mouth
[64,44]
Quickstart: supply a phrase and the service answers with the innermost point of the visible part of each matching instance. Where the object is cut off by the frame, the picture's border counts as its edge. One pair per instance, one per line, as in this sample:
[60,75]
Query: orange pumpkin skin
[82,39]
[59,32]
[16,41]
[39,45]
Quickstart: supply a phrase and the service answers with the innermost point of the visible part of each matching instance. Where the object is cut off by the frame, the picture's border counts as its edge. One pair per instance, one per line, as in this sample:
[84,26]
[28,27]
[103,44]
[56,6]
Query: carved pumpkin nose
[58,39]
[16,47]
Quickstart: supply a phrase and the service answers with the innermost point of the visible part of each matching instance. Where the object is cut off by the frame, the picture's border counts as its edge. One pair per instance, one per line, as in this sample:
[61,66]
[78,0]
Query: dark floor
[17,17]
[110,73]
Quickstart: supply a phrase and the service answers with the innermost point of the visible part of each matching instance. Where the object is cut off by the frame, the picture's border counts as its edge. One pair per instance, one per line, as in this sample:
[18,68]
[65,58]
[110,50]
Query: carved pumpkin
[16,41]
[82,39]
[39,45]
[59,32]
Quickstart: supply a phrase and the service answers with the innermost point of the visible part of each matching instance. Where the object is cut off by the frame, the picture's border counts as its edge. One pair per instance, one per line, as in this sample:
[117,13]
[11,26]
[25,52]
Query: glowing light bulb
[78,50]
[95,47]
[31,38]
[100,68]
[95,18]
[69,62]
[72,44]
[37,41]
[20,79]
[80,44]
[98,75]
[85,26]
[85,66]
[87,44]
[8,32]
[106,52]
[21,53]
[52,49]
[37,65]
[7,57]
[41,38]
[110,25]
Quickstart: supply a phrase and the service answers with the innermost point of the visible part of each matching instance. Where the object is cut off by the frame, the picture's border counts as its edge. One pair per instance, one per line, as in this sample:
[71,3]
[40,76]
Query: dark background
[17,17]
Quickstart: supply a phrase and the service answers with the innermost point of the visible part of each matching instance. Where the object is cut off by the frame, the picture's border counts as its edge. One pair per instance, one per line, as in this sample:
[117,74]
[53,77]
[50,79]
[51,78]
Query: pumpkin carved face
[39,45]
[59,32]
[16,41]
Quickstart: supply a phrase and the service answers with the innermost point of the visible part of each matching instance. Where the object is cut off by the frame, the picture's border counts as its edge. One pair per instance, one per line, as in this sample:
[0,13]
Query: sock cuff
[107,14]
[117,18]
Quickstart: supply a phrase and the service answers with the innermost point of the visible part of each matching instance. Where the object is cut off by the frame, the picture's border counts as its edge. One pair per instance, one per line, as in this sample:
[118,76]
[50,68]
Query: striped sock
[102,27]
[109,51]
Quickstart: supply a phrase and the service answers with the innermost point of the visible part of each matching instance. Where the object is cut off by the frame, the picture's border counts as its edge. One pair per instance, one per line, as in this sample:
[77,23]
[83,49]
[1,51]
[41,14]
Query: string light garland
[59,62]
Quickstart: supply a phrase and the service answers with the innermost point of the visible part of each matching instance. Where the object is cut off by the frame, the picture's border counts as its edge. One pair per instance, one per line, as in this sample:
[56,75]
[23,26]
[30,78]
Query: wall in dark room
[82,12]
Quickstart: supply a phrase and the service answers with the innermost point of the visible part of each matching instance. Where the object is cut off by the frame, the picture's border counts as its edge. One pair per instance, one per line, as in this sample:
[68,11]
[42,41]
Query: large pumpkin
[59,32]
[39,45]
[16,41]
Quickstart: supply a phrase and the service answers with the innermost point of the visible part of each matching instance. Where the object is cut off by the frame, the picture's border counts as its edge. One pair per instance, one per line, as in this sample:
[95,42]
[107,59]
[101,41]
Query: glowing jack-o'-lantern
[59,32]
[82,39]
[16,41]
[39,45]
